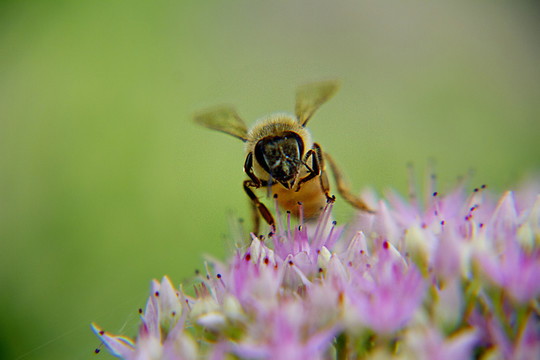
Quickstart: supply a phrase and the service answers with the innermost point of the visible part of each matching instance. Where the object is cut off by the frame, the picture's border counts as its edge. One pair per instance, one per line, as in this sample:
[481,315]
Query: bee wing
[311,96]
[224,119]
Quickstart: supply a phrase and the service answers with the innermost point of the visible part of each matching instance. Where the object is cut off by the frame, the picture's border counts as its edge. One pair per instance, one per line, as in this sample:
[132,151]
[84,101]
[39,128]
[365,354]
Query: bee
[282,158]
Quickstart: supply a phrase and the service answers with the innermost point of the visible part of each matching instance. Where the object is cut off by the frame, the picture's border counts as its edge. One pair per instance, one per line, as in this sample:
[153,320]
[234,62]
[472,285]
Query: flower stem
[341,346]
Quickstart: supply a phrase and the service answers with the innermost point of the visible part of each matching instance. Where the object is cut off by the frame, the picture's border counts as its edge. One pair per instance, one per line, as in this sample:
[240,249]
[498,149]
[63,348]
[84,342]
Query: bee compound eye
[295,144]
[260,154]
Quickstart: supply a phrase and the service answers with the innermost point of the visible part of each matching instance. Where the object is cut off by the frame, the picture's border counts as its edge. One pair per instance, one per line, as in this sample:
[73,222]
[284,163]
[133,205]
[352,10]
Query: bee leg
[317,169]
[248,169]
[325,186]
[313,171]
[256,218]
[343,188]
[258,208]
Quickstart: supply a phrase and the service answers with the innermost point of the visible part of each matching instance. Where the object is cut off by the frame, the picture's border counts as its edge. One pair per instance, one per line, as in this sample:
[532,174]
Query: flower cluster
[454,278]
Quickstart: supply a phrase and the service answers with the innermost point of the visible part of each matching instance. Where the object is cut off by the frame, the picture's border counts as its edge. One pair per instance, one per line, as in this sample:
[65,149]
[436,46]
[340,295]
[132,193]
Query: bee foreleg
[317,169]
[258,208]
[314,170]
[343,188]
[248,169]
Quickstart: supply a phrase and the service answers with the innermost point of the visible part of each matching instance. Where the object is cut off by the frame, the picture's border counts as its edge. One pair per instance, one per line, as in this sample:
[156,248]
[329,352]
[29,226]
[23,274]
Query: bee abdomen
[310,195]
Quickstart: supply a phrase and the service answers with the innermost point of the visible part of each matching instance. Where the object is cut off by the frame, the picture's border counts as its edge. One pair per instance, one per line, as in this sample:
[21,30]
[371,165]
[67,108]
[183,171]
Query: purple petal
[118,346]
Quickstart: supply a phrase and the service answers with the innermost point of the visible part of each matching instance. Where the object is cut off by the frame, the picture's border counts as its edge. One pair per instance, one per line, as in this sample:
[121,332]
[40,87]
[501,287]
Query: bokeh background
[105,183]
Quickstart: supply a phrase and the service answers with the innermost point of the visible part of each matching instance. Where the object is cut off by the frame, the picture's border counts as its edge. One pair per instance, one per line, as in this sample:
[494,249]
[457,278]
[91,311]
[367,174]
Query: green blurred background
[105,183]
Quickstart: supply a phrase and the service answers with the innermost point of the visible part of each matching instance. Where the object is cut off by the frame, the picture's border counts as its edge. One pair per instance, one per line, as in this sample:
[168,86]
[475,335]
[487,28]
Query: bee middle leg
[258,208]
[343,188]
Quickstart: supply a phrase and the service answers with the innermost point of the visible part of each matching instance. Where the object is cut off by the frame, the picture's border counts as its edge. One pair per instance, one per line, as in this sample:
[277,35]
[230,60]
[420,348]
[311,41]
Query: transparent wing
[311,96]
[224,119]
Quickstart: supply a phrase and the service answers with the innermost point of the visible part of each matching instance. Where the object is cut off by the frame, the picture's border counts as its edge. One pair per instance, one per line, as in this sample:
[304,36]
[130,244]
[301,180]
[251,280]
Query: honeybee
[282,158]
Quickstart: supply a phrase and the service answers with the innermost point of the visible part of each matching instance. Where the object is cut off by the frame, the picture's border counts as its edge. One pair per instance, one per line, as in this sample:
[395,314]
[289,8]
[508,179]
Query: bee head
[281,156]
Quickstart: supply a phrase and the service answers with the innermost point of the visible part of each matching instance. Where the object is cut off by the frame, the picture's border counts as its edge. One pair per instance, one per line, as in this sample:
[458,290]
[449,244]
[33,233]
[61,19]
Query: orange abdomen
[310,195]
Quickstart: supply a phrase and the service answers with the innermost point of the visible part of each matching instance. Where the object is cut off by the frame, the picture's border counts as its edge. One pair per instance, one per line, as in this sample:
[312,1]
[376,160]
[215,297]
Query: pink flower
[505,262]
[400,279]
[284,333]
[430,343]
[386,293]
[161,334]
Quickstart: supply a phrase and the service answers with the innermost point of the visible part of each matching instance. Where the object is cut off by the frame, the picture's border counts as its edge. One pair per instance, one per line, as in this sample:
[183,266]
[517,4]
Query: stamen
[411,180]
[278,216]
[289,234]
[300,214]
